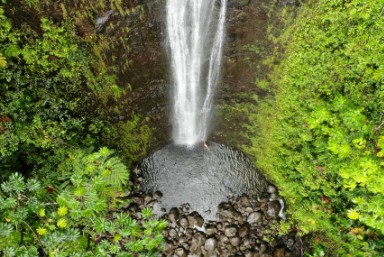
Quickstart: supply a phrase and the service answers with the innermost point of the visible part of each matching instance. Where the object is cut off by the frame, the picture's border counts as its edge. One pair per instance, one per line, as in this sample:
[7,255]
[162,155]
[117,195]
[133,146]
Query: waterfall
[195,30]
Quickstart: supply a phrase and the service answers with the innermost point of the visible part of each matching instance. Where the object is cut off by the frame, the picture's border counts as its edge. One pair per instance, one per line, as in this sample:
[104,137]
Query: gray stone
[254,218]
[271,189]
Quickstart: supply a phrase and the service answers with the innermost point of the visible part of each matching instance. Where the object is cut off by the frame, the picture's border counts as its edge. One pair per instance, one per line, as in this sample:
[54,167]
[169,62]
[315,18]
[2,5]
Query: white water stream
[195,30]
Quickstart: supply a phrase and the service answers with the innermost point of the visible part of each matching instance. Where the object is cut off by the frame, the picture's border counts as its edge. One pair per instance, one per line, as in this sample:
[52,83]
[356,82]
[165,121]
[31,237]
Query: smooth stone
[168,246]
[230,231]
[180,252]
[210,244]
[173,214]
[244,200]
[210,230]
[271,189]
[254,217]
[148,198]
[273,197]
[173,233]
[195,220]
[273,209]
[157,195]
[251,254]
[262,249]
[183,221]
[235,241]
[224,240]
[249,210]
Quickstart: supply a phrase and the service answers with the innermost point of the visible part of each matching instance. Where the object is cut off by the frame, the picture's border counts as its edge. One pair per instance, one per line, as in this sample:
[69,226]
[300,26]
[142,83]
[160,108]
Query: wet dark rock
[157,195]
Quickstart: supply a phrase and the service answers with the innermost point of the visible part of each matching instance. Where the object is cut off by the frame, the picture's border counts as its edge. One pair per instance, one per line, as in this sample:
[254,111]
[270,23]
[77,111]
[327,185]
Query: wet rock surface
[188,234]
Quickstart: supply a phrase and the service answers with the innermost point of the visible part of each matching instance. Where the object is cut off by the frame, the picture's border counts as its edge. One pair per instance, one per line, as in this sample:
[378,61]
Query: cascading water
[195,30]
[198,175]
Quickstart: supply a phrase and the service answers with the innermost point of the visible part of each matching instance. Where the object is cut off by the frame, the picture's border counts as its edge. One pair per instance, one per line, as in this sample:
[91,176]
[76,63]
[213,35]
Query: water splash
[195,30]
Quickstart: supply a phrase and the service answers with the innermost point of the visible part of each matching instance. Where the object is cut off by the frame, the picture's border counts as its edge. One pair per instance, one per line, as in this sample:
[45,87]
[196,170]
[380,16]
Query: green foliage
[320,136]
[84,219]
[54,100]
[53,110]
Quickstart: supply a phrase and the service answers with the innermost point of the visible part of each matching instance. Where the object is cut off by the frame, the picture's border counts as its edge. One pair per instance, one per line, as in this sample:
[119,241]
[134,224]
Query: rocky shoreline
[245,226]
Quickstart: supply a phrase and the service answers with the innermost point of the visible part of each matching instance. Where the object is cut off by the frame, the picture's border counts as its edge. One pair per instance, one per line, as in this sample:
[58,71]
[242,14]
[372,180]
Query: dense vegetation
[320,135]
[59,195]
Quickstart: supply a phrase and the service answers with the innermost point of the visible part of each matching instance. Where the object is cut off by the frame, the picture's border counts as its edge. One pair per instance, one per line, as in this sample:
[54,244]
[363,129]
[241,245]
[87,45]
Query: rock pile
[245,226]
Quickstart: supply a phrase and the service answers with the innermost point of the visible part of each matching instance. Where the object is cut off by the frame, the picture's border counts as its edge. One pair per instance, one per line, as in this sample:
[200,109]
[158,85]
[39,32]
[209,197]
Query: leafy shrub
[80,217]
[320,136]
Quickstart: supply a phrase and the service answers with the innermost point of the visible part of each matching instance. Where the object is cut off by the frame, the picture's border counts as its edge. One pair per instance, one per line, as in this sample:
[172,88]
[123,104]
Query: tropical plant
[80,216]
[319,136]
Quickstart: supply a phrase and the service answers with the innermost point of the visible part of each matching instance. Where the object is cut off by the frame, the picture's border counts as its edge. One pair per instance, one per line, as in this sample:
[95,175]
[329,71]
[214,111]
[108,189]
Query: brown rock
[279,252]
[210,230]
[197,241]
[244,231]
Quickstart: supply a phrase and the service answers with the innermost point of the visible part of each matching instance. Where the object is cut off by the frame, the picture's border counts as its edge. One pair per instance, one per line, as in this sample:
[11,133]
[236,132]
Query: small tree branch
[37,236]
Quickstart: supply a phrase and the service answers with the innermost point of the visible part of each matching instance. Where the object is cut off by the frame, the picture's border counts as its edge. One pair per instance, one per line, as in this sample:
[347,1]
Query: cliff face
[246,45]
[129,40]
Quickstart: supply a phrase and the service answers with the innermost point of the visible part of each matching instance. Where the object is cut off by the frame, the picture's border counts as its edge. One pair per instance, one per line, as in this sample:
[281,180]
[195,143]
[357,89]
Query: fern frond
[118,175]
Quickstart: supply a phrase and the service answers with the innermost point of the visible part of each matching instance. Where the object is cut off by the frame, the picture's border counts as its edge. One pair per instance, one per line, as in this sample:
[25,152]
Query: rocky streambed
[216,203]
[245,226]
